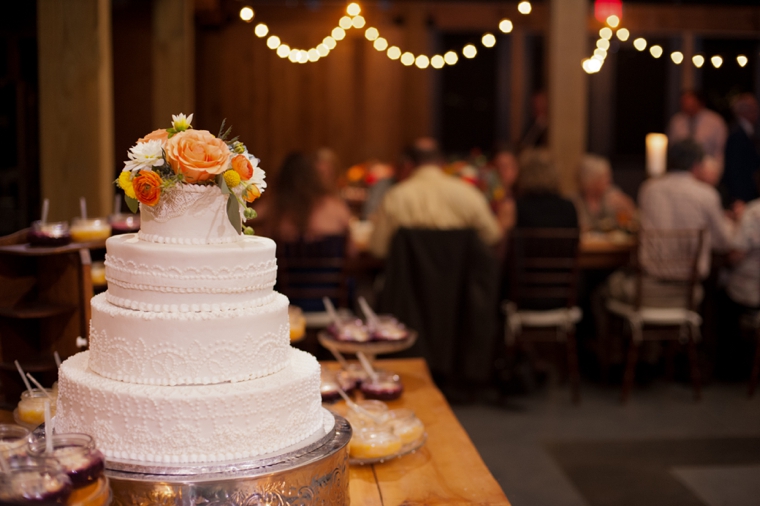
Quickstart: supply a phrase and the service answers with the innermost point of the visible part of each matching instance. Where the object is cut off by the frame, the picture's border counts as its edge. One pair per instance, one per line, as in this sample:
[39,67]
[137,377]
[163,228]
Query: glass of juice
[91,229]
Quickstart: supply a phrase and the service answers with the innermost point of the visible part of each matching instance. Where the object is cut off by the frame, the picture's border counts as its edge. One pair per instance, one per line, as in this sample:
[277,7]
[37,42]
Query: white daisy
[145,156]
[258,174]
[180,123]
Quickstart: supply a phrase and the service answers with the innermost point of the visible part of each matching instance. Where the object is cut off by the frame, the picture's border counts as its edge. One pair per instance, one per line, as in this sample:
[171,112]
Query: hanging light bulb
[623,34]
[358,22]
[505,25]
[394,53]
[371,33]
[488,40]
[606,33]
[246,14]
[677,57]
[329,42]
[380,44]
[524,7]
[742,60]
[353,9]
[283,51]
[261,30]
[323,50]
[407,59]
[698,60]
[451,58]
[422,61]
[345,22]
[613,21]
[273,42]
[640,43]
[717,61]
[437,61]
[338,33]
[655,51]
[470,51]
[603,44]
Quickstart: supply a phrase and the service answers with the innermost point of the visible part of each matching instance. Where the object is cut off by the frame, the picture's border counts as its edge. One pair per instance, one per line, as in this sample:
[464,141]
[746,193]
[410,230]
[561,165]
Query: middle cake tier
[188,348]
[174,278]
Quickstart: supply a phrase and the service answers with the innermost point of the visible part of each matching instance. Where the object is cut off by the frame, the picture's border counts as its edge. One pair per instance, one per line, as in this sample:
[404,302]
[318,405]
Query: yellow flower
[180,122]
[125,183]
[232,178]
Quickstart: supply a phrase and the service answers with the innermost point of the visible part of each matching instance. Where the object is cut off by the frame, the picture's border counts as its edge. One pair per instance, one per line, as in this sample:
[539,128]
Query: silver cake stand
[313,472]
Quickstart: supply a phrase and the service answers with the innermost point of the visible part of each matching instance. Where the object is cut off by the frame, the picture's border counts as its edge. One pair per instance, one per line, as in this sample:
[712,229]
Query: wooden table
[448,470]
[598,253]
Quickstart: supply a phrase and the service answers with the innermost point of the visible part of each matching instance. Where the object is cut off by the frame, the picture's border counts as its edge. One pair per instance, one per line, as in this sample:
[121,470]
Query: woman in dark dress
[539,204]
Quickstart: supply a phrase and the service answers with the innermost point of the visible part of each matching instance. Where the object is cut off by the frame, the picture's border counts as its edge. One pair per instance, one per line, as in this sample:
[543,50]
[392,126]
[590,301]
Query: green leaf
[223,186]
[132,204]
[233,213]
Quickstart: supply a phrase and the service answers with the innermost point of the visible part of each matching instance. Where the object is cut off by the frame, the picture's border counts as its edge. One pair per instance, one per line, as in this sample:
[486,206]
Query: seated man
[679,200]
[431,199]
[601,205]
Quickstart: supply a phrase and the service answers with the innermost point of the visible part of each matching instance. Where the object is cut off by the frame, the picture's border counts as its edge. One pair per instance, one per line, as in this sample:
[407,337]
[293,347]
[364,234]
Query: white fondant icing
[188,214]
[150,277]
[209,423]
[182,346]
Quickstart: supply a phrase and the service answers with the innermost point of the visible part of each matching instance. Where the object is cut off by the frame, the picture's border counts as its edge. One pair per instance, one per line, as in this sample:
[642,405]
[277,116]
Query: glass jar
[54,233]
[31,409]
[13,441]
[91,229]
[77,455]
[34,482]
[350,329]
[386,387]
[124,223]
[374,443]
[369,414]
[388,328]
[405,425]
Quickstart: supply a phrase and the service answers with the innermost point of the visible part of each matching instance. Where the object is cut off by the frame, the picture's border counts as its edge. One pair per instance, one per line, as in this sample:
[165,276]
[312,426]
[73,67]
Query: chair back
[310,270]
[543,267]
[668,258]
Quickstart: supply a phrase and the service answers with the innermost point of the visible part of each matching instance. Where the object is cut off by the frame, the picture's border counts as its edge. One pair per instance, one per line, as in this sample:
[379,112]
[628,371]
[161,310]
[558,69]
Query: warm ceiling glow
[353,9]
[524,7]
[283,51]
[742,60]
[380,44]
[338,33]
[371,33]
[623,34]
[613,21]
[603,44]
[450,58]
[246,14]
[717,61]
[359,22]
[437,61]
[273,42]
[640,43]
[407,59]
[394,53]
[422,61]
[656,51]
[345,22]
[506,26]
[698,60]
[329,42]
[261,30]
[677,57]
[488,40]
[470,51]
[606,33]
[323,50]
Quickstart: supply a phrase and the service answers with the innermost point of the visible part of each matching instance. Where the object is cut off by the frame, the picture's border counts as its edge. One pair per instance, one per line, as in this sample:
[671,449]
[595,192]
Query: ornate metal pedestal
[314,474]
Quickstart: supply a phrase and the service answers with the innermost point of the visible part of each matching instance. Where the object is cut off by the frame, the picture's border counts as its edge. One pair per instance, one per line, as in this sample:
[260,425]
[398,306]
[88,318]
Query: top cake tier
[188,214]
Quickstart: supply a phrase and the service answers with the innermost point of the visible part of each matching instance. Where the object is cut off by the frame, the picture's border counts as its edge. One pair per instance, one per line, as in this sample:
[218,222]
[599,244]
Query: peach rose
[156,135]
[251,193]
[147,186]
[197,155]
[242,165]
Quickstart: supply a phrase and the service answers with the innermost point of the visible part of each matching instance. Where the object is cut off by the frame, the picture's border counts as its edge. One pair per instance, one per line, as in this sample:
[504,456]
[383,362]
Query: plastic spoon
[57,359]
[117,203]
[368,312]
[37,384]
[367,366]
[83,208]
[45,210]
[358,409]
[23,376]
[48,430]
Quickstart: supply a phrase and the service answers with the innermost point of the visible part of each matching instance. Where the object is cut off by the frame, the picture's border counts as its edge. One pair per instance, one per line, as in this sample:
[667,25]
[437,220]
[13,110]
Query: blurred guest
[538,203]
[499,185]
[740,176]
[537,133]
[302,206]
[380,179]
[601,205]
[431,199]
[697,122]
[326,165]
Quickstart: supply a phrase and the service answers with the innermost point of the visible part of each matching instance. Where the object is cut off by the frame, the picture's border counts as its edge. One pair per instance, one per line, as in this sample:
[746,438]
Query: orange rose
[147,187]
[243,167]
[197,154]
[156,135]
[251,193]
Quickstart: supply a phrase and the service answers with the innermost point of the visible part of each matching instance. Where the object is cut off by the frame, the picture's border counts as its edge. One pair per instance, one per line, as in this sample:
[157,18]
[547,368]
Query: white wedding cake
[190,358]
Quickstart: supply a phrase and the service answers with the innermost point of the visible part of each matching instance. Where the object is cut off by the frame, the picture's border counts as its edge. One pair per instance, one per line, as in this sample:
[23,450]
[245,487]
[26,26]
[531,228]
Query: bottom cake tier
[203,423]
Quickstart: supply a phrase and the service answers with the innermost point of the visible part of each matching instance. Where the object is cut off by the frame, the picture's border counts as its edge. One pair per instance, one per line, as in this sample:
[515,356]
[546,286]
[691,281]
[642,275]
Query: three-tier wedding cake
[190,358]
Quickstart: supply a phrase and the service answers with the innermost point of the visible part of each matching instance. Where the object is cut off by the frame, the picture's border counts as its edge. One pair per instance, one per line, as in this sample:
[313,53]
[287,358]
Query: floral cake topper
[182,155]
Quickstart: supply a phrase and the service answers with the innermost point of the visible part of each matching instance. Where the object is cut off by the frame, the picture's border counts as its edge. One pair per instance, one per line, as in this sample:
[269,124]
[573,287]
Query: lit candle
[657,154]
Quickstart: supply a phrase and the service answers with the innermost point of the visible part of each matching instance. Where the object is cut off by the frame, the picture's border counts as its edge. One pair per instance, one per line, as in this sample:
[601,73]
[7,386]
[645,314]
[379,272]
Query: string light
[451,58]
[698,60]
[371,33]
[524,7]
[345,22]
[677,57]
[717,61]
[488,40]
[323,50]
[656,51]
[273,42]
[407,59]
[613,21]
[380,44]
[283,51]
[353,9]
[422,61]
[246,14]
[261,30]
[470,51]
[358,22]
[313,55]
[640,43]
[338,33]
[603,44]
[623,34]
[437,61]
[506,26]
[329,42]
[606,33]
[601,53]
[394,53]
[742,60]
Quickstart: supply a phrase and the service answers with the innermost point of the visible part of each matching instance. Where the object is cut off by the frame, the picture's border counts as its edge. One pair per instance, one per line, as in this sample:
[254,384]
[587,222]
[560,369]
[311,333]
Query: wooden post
[173,60]
[76,105]
[568,96]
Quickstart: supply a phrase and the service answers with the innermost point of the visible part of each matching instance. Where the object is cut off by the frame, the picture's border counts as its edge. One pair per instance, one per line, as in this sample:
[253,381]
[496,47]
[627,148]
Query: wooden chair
[664,297]
[311,270]
[543,290]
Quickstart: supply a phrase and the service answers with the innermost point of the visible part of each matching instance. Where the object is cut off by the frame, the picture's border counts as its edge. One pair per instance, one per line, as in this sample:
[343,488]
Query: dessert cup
[373,443]
[388,328]
[86,230]
[386,387]
[49,234]
[31,408]
[13,441]
[76,454]
[124,223]
[34,483]
[405,425]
